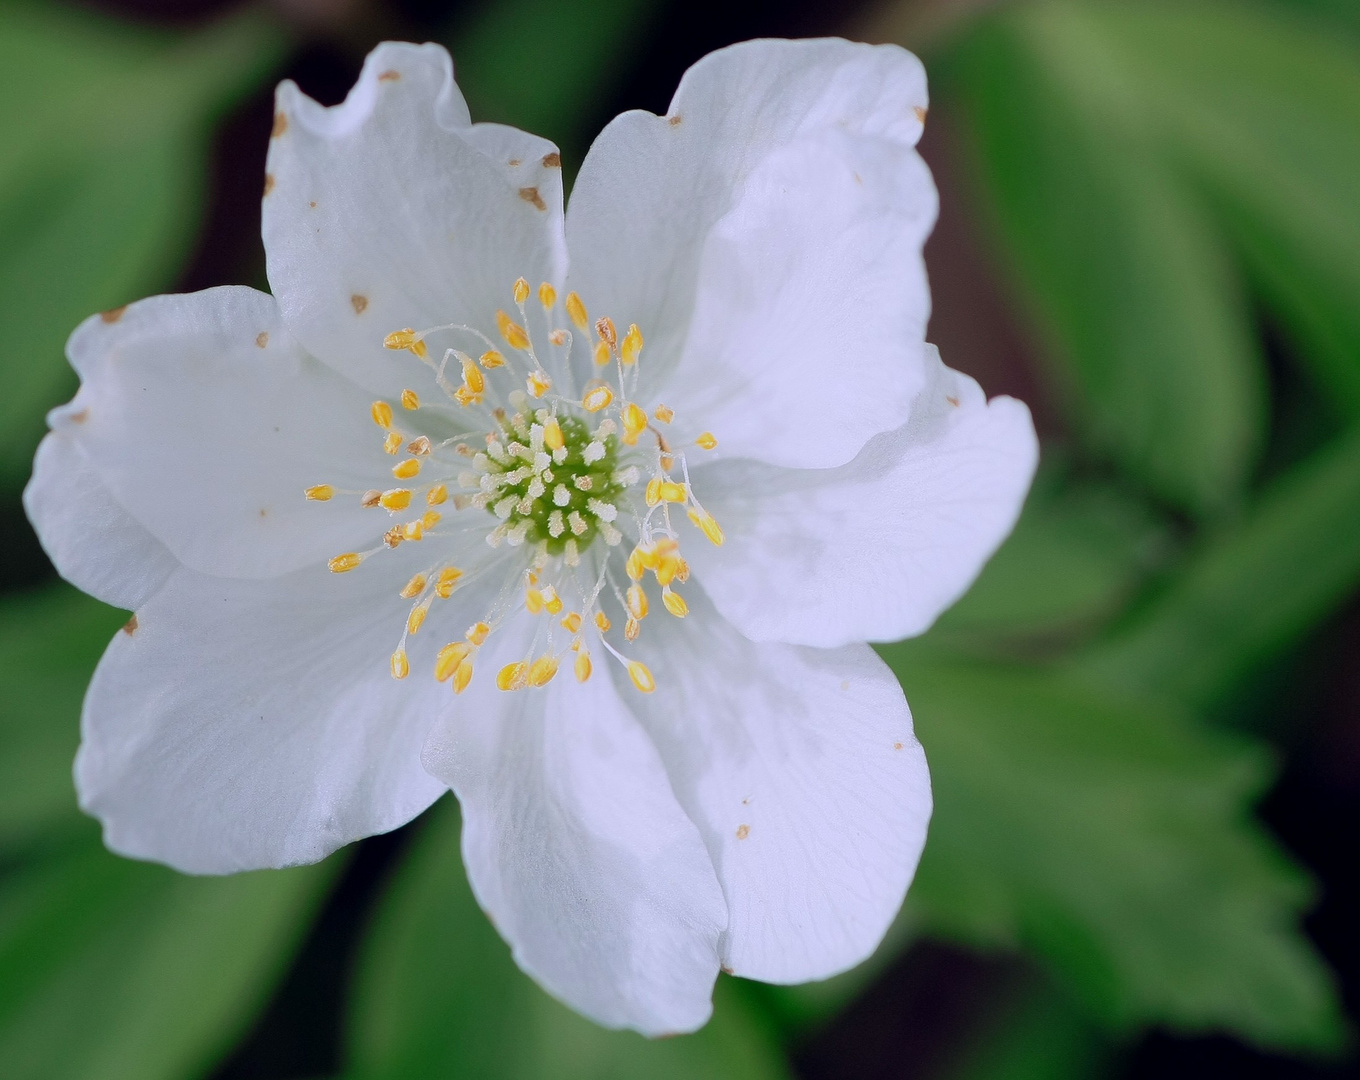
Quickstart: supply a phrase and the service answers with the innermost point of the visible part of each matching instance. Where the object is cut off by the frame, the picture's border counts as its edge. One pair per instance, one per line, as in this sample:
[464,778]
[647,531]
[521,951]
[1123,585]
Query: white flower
[623,583]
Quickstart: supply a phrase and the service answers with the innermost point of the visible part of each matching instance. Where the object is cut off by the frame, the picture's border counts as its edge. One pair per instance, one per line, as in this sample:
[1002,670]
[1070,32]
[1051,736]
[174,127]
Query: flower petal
[766,236]
[801,771]
[206,422]
[94,543]
[877,549]
[246,724]
[392,210]
[576,847]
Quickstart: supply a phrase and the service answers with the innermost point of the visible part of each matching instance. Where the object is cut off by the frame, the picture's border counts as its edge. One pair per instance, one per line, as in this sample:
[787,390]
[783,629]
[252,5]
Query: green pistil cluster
[560,511]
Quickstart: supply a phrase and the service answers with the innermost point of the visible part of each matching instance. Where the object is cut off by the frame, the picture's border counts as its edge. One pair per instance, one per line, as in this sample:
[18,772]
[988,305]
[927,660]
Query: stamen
[462,676]
[396,499]
[405,470]
[491,360]
[547,296]
[576,311]
[637,602]
[542,670]
[436,495]
[410,400]
[709,526]
[675,603]
[514,334]
[370,497]
[641,676]
[420,446]
[571,622]
[539,383]
[604,326]
[597,397]
[602,623]
[664,414]
[552,434]
[582,666]
[447,580]
[381,413]
[392,444]
[512,676]
[342,564]
[521,291]
[320,493]
[401,667]
[706,441]
[414,587]
[634,422]
[601,353]
[447,661]
[477,633]
[632,345]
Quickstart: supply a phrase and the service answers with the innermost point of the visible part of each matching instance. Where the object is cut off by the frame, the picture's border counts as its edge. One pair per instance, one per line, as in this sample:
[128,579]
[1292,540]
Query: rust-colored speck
[514,163]
[312,204]
[531,195]
[79,417]
[113,314]
[280,125]
[130,627]
[268,183]
[389,76]
[552,161]
[727,970]
[920,111]
[676,120]
[262,338]
[953,401]
[358,303]
[743,831]
[897,746]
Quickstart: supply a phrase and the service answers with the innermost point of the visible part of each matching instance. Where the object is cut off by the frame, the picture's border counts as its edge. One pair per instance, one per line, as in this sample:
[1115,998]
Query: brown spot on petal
[113,314]
[676,120]
[514,163]
[920,111]
[358,303]
[743,831]
[389,76]
[262,338]
[268,183]
[79,417]
[552,161]
[130,627]
[953,401]
[531,195]
[897,746]
[280,125]
[727,970]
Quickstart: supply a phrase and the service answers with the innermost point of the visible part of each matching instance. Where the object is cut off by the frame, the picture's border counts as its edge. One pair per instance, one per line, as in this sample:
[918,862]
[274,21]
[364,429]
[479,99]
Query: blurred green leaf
[102,164]
[1112,840]
[437,996]
[50,640]
[1249,593]
[1127,279]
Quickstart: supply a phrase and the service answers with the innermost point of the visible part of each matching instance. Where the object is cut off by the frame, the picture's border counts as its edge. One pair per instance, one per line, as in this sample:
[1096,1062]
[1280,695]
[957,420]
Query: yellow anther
[413,530]
[666,461]
[675,603]
[576,311]
[664,413]
[650,554]
[466,397]
[552,434]
[431,518]
[634,566]
[668,568]
[477,633]
[396,499]
[414,587]
[604,326]
[672,492]
[706,441]
[571,622]
[473,378]
[404,470]
[538,383]
[416,619]
[420,446]
[521,290]
[321,493]
[641,676]
[401,667]
[400,339]
[709,526]
[601,353]
[634,422]
[393,536]
[410,399]
[547,296]
[491,359]
[631,629]
[533,601]
[602,622]
[448,578]
[392,444]
[343,563]
[462,676]
[652,495]
[552,603]
[682,574]
[513,333]
[437,494]
[512,676]
[542,670]
[382,414]
[582,666]
[449,657]
[632,345]
[370,497]
[637,602]
[597,398]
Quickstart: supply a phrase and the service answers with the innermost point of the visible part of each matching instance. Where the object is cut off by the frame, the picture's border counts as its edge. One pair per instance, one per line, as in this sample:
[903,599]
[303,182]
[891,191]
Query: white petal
[391,210]
[576,847]
[877,549]
[801,771]
[767,239]
[206,422]
[93,542]
[249,724]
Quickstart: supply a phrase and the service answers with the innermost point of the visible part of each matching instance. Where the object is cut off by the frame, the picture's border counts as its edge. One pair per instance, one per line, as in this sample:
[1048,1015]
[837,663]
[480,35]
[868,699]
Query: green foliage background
[1157,180]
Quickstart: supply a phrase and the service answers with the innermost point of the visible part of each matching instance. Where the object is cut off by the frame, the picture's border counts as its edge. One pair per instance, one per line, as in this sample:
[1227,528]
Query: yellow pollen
[651,554]
[652,495]
[542,670]
[413,530]
[406,339]
[392,444]
[410,400]
[664,413]
[668,568]
[431,518]
[706,441]
[582,666]
[513,333]
[344,563]
[552,434]
[632,345]
[396,499]
[637,602]
[597,398]
[710,527]
[414,587]
[538,383]
[448,578]
[547,296]
[420,446]
[634,566]
[601,353]
[478,632]
[604,326]
[466,397]
[576,311]
[320,493]
[571,622]
[492,359]
[462,676]
[521,291]
[634,422]
[449,657]
[416,619]
[602,622]
[533,601]
[382,414]
[675,603]
[641,676]
[473,378]
[437,494]
[631,629]
[404,470]
[401,667]
[672,492]
[552,603]
[512,676]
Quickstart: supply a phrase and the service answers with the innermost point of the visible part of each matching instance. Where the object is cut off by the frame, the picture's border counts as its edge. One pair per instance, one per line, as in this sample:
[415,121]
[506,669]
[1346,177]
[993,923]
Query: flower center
[554,471]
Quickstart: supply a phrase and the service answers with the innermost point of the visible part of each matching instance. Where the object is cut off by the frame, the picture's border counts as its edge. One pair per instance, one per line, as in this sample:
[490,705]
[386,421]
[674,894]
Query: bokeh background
[1143,723]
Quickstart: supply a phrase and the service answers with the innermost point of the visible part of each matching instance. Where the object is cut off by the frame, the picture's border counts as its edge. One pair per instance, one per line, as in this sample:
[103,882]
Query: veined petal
[94,543]
[247,724]
[393,210]
[766,235]
[577,849]
[801,771]
[205,422]
[876,549]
